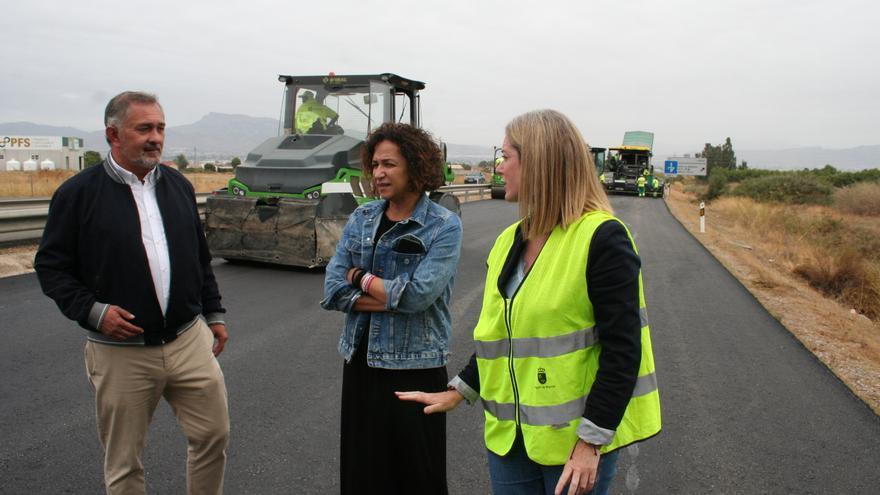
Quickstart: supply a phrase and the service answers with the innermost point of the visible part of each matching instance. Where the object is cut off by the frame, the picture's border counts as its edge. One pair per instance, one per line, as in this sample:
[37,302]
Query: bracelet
[367,282]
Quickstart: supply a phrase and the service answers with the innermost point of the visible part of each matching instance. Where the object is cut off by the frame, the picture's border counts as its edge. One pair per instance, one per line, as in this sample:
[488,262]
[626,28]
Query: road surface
[746,409]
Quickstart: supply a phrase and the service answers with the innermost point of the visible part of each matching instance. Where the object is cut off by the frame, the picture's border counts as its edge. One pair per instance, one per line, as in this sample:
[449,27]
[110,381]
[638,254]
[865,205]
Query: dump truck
[293,194]
[629,161]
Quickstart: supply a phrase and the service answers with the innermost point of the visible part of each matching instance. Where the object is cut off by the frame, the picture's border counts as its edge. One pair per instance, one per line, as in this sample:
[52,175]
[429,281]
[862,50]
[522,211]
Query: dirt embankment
[847,342]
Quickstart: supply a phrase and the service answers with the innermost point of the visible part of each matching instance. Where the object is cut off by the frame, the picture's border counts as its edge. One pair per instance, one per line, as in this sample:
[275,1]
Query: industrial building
[41,153]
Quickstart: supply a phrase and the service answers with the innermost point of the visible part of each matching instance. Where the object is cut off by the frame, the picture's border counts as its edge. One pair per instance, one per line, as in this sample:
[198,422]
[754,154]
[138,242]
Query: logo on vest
[542,380]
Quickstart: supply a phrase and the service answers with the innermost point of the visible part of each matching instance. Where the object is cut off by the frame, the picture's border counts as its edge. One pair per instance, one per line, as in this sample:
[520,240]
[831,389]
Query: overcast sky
[769,74]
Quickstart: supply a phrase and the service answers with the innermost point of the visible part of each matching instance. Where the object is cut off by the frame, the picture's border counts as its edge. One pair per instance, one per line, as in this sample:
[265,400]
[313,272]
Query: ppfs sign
[30,142]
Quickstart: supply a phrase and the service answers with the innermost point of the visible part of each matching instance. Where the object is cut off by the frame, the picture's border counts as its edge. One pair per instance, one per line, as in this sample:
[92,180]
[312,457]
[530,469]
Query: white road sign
[680,165]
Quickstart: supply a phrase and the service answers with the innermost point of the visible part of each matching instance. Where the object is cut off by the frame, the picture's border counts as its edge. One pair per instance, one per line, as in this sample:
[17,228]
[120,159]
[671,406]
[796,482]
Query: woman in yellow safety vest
[563,364]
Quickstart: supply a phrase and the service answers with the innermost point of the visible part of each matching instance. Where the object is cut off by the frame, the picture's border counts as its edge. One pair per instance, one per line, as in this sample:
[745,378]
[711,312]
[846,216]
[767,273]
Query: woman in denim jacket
[392,276]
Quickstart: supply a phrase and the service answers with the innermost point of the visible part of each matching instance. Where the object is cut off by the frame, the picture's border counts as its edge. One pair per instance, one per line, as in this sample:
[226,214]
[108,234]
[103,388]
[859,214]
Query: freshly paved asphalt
[746,409]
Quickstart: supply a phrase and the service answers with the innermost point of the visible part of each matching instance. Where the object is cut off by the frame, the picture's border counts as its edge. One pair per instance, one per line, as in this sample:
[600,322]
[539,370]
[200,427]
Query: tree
[728,157]
[210,167]
[720,157]
[91,158]
[181,161]
[236,161]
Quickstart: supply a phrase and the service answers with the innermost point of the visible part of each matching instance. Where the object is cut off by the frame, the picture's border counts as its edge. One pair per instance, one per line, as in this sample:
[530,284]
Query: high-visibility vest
[641,181]
[309,112]
[538,351]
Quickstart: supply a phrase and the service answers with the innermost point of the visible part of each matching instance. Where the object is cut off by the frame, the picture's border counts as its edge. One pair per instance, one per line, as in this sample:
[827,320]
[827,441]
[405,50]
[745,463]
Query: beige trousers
[130,380]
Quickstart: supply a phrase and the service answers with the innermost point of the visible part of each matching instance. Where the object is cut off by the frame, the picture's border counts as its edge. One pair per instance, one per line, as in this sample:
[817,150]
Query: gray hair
[116,109]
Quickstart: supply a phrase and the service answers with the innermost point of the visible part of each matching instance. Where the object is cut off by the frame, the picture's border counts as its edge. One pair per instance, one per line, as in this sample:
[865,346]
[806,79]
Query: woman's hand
[436,402]
[350,275]
[580,471]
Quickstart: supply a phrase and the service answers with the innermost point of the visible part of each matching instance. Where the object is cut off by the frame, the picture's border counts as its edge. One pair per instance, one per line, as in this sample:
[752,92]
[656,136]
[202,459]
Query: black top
[613,288]
[92,251]
[385,225]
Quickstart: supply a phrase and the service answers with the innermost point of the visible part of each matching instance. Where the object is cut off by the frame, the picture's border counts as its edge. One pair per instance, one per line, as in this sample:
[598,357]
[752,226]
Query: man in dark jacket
[124,255]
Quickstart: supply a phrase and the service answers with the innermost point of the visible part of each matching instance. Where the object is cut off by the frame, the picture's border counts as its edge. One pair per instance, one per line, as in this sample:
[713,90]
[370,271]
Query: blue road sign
[670,167]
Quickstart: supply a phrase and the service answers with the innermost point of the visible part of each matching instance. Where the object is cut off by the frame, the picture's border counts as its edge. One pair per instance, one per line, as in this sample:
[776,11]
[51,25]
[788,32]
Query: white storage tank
[29,165]
[13,165]
[47,164]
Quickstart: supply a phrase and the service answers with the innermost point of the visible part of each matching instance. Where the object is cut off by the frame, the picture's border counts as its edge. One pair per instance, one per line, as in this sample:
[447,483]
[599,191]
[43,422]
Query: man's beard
[146,162]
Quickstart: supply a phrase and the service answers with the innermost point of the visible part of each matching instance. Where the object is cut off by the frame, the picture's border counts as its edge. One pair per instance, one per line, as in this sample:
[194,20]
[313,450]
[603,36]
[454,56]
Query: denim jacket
[416,259]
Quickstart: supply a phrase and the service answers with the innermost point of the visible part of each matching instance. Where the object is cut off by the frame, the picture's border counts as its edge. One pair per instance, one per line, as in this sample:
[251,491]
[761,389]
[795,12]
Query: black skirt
[390,446]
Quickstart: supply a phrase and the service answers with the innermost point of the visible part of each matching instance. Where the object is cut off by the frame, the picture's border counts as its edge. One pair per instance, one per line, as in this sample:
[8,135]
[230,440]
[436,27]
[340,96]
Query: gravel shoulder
[17,260]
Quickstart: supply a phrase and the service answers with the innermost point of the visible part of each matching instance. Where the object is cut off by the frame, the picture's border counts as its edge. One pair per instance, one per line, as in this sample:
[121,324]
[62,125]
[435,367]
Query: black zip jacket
[92,252]
[613,287]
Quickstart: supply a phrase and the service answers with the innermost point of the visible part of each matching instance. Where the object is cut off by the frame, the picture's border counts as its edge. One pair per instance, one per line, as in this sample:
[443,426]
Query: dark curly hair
[424,160]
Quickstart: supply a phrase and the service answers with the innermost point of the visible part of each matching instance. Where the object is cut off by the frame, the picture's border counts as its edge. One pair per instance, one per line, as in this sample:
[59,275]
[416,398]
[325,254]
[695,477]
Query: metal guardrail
[23,203]
[467,190]
[23,220]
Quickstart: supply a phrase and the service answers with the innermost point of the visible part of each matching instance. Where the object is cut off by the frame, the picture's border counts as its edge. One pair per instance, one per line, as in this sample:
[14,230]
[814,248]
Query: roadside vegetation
[823,225]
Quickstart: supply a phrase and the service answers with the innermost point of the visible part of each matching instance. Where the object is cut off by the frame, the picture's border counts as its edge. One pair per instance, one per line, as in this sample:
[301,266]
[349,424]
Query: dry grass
[38,184]
[208,181]
[833,249]
[847,276]
[43,183]
[860,199]
[833,252]
[810,266]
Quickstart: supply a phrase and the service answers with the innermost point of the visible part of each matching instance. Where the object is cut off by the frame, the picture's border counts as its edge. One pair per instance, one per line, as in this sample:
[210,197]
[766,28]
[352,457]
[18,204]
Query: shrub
[847,276]
[787,188]
[859,199]
[717,185]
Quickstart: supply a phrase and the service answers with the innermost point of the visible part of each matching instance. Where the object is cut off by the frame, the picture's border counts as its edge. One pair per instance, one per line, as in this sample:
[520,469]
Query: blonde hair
[558,179]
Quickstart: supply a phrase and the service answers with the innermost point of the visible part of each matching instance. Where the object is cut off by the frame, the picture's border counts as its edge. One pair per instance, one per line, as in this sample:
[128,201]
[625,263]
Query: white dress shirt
[152,229]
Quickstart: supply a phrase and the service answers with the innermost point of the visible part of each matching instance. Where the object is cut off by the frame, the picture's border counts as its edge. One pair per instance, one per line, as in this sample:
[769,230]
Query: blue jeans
[516,474]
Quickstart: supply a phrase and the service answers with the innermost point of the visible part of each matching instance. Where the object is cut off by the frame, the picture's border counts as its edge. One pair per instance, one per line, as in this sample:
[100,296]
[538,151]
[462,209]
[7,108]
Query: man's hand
[580,471]
[220,337]
[116,326]
[436,402]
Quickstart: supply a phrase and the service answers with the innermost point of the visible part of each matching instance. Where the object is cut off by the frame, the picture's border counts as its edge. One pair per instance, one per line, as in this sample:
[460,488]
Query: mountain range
[223,136]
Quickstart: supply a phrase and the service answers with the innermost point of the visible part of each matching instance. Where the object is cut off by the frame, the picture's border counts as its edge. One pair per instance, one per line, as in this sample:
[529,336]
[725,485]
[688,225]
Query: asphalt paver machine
[292,196]
[626,163]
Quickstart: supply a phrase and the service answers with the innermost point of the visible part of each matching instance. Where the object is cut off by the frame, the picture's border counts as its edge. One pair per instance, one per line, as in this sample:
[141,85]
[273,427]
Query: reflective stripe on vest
[545,347]
[563,413]
[538,352]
